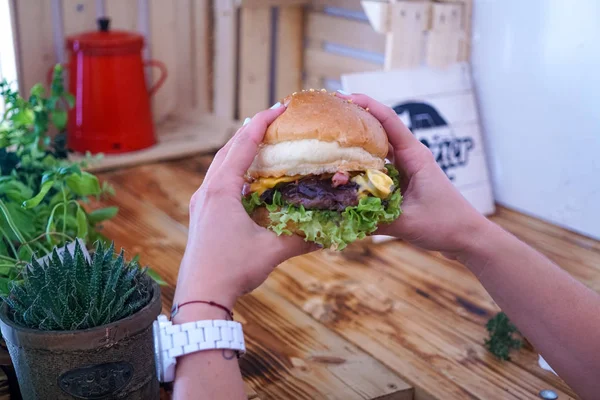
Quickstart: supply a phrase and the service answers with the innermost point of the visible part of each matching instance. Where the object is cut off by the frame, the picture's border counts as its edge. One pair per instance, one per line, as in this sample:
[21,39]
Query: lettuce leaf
[331,229]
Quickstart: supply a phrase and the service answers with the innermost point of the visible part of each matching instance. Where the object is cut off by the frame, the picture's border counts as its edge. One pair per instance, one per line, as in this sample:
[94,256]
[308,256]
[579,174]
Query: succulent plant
[76,292]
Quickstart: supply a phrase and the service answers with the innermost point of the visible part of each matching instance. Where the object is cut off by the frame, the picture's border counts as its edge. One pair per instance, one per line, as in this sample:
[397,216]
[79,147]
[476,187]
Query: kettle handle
[163,75]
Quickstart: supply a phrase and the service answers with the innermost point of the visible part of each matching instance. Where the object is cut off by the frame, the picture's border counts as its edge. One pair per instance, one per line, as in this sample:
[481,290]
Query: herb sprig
[501,340]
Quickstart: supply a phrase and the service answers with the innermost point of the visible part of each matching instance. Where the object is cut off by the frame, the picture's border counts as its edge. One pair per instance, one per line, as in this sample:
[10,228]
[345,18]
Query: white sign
[439,107]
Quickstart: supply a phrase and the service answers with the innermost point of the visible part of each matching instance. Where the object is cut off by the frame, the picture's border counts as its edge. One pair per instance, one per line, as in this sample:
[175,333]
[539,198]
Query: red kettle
[112,103]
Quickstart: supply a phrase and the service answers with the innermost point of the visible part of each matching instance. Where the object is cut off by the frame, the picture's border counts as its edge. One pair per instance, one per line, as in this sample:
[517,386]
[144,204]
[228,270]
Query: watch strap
[172,341]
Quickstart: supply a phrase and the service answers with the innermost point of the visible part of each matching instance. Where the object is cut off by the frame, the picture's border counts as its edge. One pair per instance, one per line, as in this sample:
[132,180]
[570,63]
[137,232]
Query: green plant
[77,293]
[41,192]
[501,340]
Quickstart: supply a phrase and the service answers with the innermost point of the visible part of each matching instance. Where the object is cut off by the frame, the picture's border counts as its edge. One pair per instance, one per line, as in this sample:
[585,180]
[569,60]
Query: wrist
[198,312]
[476,245]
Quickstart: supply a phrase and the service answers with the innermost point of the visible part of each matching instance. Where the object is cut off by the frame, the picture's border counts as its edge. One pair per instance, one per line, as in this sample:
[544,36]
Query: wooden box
[228,59]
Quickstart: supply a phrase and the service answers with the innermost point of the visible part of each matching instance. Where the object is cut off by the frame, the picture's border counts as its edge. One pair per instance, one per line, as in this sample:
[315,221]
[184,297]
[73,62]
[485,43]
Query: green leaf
[85,184]
[23,118]
[4,289]
[34,201]
[102,214]
[82,224]
[156,277]
[24,253]
[6,267]
[37,90]
[70,100]
[331,229]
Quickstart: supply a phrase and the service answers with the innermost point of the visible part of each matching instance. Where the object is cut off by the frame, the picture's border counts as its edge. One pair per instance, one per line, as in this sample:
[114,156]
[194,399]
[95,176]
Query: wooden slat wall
[35,49]
[271,53]
[349,36]
[123,14]
[210,73]
[225,56]
[178,36]
[165,48]
[78,16]
[201,56]
[255,60]
[290,46]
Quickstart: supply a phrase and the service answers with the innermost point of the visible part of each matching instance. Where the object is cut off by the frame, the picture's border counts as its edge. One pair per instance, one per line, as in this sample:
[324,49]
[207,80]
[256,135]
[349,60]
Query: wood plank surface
[184,74]
[79,16]
[255,60]
[351,5]
[201,55]
[123,14]
[417,313]
[182,134]
[225,56]
[291,355]
[290,46]
[272,3]
[405,38]
[320,63]
[164,48]
[342,31]
[35,47]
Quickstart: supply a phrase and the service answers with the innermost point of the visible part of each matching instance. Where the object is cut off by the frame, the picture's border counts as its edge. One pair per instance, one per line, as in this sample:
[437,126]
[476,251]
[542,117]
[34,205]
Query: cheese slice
[262,184]
[374,182]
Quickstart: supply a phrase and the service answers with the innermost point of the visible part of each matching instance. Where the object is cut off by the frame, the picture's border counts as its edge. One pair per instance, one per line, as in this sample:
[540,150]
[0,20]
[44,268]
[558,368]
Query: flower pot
[110,361]
[7,368]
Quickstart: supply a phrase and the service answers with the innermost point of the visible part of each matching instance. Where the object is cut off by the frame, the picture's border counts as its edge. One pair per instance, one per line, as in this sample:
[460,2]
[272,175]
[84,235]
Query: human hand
[227,254]
[435,215]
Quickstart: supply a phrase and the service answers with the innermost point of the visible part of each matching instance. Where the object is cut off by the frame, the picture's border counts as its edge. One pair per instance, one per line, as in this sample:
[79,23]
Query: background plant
[41,191]
[501,340]
[78,293]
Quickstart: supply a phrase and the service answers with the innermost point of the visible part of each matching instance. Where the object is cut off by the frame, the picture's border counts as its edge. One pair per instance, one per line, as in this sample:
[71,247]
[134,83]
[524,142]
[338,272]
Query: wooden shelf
[181,135]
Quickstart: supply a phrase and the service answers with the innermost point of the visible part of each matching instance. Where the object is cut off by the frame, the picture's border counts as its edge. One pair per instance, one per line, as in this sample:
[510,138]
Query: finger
[399,135]
[223,151]
[245,145]
[293,246]
[390,155]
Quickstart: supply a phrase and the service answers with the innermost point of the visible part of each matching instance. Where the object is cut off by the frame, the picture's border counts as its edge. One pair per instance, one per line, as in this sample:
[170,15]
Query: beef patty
[316,194]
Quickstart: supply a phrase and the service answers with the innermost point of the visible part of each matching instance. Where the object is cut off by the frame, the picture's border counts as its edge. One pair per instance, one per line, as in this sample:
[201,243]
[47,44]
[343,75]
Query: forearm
[211,374]
[557,314]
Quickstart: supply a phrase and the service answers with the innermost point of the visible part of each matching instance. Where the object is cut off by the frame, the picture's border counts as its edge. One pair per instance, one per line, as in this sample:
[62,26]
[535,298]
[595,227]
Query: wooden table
[385,321]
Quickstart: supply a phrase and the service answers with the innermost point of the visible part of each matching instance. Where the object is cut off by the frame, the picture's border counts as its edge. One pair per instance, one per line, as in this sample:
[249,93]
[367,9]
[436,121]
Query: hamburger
[320,172]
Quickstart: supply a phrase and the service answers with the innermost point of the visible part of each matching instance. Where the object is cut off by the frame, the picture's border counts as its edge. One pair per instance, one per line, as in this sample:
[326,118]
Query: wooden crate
[228,59]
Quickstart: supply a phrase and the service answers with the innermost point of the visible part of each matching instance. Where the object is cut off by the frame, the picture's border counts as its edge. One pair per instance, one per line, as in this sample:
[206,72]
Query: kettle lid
[106,41]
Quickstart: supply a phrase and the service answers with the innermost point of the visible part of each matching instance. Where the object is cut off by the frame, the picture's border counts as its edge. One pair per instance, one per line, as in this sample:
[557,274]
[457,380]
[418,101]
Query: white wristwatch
[172,341]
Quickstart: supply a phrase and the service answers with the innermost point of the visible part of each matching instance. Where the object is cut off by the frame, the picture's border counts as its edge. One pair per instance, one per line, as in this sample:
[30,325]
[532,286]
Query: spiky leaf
[75,293]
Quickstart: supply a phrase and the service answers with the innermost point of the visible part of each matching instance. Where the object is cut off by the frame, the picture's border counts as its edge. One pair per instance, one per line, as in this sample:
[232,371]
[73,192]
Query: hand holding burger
[320,172]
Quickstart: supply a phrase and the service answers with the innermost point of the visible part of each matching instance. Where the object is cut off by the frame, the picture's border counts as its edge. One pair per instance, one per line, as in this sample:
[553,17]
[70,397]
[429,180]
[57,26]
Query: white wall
[8,66]
[536,66]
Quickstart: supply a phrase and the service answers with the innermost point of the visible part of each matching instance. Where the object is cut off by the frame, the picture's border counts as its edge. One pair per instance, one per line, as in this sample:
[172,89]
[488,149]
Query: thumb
[245,145]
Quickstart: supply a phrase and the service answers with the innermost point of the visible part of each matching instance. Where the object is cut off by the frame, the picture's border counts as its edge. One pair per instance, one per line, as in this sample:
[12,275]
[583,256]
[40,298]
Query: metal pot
[112,103]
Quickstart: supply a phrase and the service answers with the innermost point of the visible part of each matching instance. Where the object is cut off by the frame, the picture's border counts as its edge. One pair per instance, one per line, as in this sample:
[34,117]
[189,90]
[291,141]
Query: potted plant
[80,326]
[42,193]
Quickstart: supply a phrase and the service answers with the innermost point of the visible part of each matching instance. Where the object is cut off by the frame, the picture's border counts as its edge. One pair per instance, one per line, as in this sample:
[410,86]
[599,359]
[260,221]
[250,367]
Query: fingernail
[276,105]
[343,92]
[247,121]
